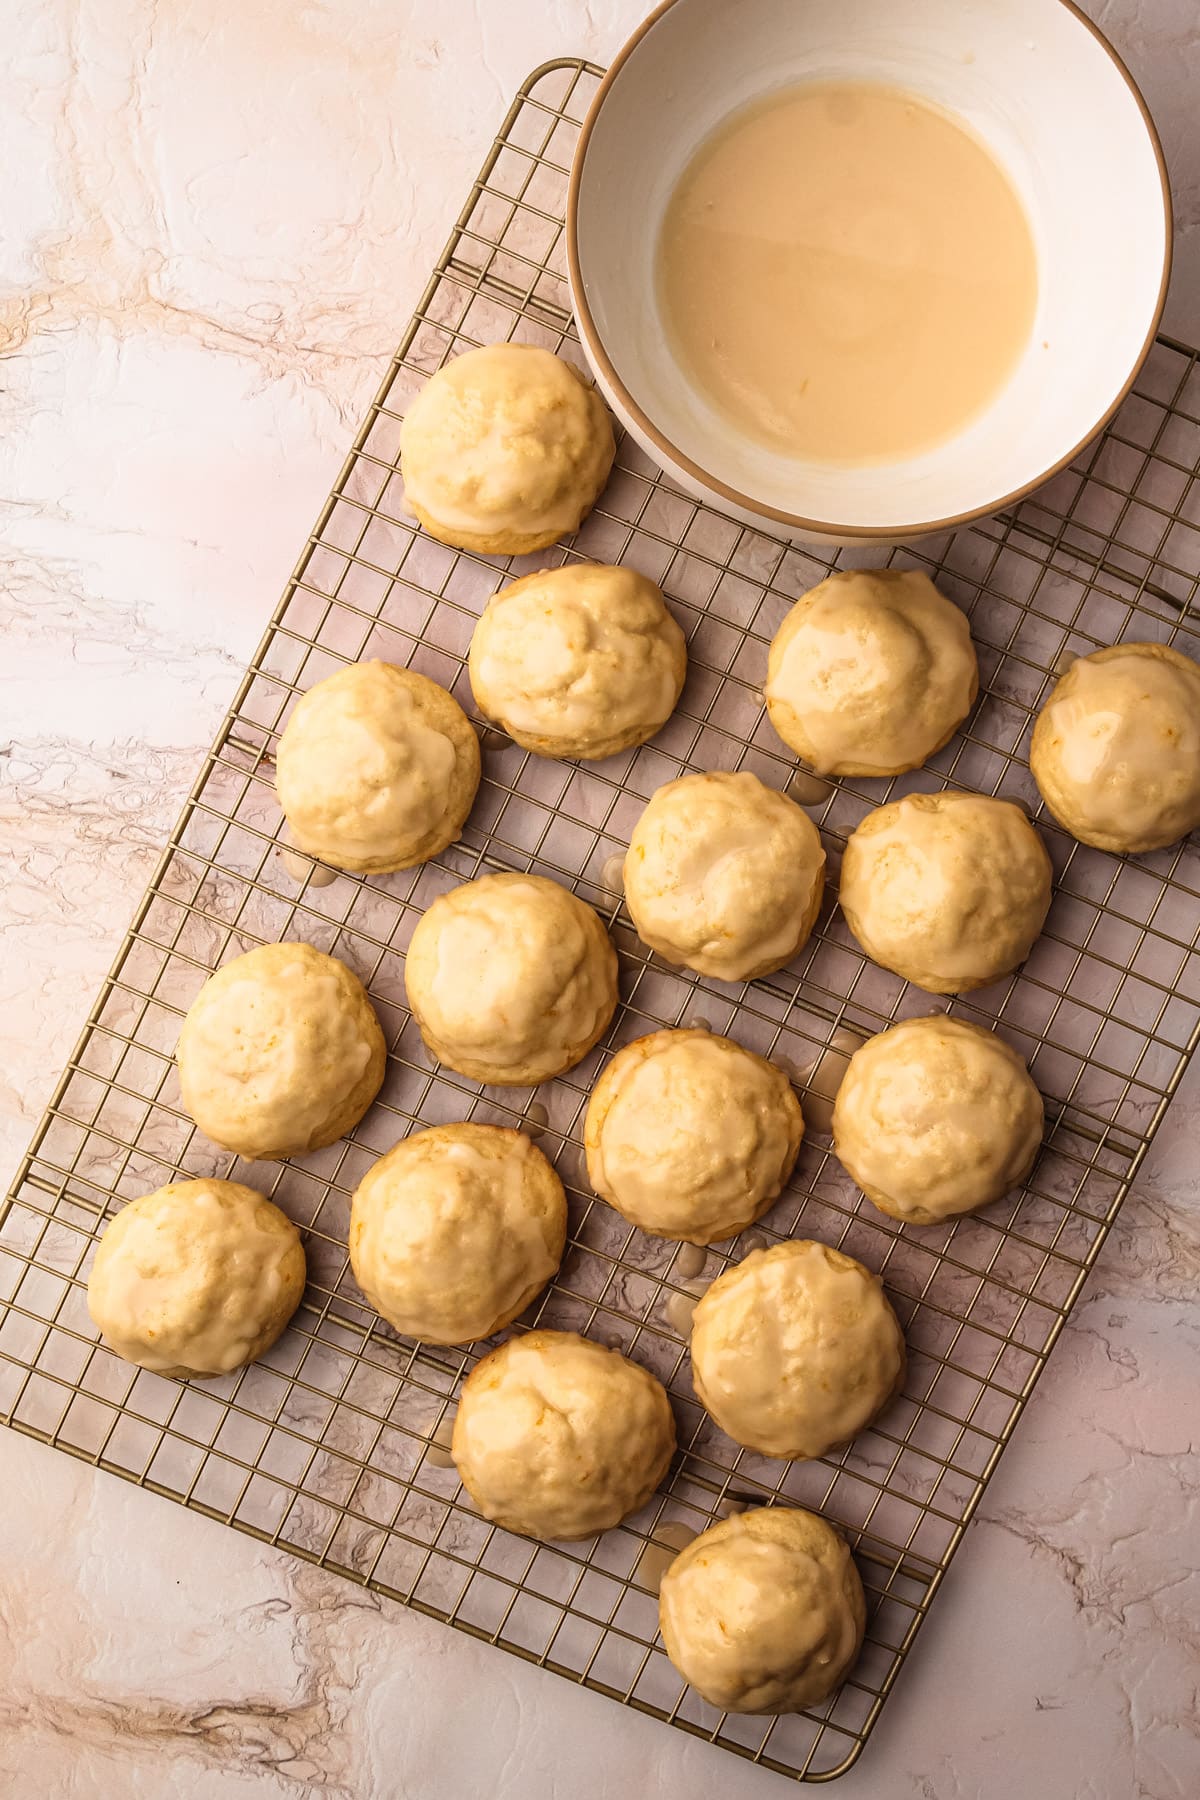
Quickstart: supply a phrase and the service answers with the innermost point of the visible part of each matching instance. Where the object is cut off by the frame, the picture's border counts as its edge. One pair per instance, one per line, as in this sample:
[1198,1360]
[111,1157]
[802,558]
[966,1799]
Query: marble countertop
[217,219]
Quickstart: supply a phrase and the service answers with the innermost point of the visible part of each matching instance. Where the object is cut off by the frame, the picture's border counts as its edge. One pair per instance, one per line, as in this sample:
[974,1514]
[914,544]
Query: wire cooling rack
[333,1445]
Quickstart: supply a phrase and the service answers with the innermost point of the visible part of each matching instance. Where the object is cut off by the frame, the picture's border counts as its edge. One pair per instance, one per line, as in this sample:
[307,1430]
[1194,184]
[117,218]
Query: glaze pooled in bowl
[846,272]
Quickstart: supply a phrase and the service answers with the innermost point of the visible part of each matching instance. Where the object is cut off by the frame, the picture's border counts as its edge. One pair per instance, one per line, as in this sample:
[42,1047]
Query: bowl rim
[670,453]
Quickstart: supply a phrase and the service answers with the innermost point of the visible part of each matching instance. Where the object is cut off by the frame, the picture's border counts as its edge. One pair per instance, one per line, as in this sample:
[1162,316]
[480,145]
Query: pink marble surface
[216,221]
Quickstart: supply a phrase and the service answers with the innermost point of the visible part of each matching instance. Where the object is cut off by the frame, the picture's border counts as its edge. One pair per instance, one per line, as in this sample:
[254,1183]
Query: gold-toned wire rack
[333,1444]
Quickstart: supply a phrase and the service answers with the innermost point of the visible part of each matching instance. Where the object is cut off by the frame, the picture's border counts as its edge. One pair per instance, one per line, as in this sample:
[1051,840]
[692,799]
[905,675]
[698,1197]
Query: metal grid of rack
[333,1445]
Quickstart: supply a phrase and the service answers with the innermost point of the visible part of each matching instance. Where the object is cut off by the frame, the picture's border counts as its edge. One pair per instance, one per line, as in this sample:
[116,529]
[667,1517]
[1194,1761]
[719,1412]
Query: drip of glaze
[730,1504]
[752,1240]
[807,789]
[689,1261]
[826,1076]
[438,1453]
[536,1120]
[1064,661]
[698,1022]
[680,1308]
[612,875]
[670,1537]
[302,868]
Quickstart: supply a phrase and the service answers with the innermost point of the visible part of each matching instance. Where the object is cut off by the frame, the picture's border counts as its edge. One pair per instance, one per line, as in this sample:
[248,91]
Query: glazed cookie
[581,661]
[690,1136]
[557,1437]
[1116,748]
[724,875]
[376,768]
[871,673]
[454,1231]
[511,979]
[796,1349]
[948,890]
[936,1117]
[198,1278]
[280,1052]
[504,450]
[765,1612]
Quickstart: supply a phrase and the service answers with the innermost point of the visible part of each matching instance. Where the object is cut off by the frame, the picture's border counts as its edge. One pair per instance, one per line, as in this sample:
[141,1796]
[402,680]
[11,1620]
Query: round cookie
[557,1437]
[197,1278]
[724,875]
[948,890]
[455,1230]
[871,673]
[582,661]
[511,979]
[280,1052]
[505,450]
[376,768]
[691,1137]
[1116,748]
[936,1117]
[796,1349]
[765,1612]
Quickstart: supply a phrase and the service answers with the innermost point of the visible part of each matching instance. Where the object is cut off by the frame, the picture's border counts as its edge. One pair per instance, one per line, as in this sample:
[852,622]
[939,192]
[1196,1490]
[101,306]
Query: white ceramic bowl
[1049,96]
